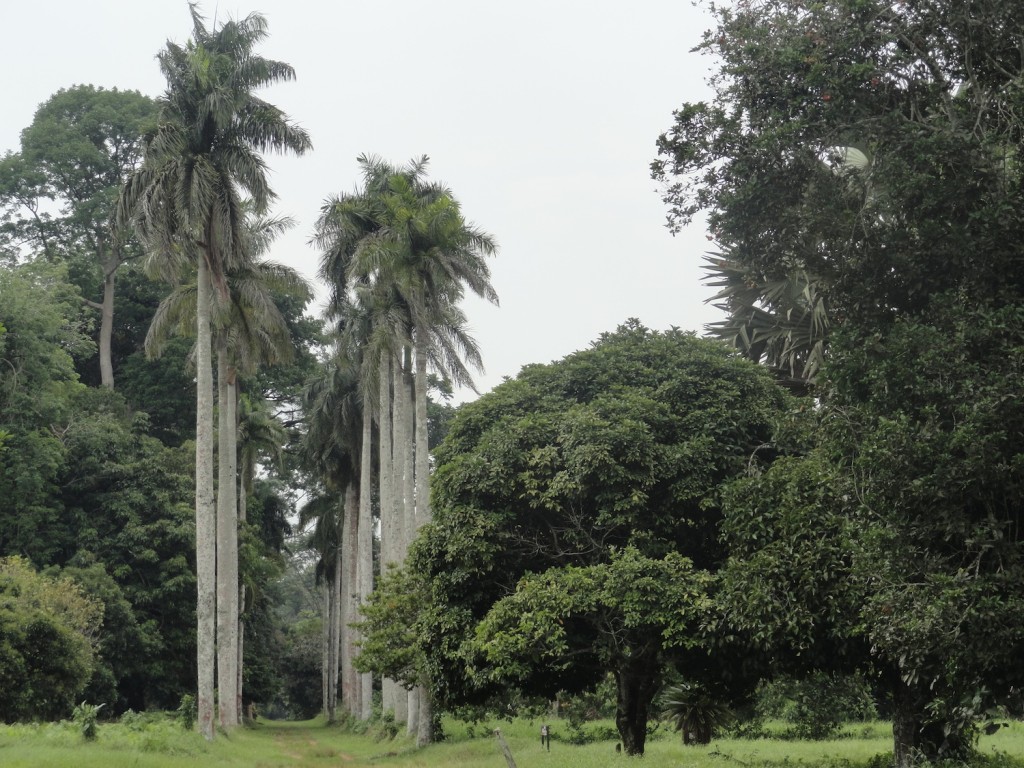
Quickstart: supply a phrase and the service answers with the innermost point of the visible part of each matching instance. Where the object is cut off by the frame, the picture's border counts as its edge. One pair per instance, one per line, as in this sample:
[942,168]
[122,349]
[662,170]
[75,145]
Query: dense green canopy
[576,519]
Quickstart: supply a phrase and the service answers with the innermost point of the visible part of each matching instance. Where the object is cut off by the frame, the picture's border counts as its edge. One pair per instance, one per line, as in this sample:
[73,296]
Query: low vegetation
[157,741]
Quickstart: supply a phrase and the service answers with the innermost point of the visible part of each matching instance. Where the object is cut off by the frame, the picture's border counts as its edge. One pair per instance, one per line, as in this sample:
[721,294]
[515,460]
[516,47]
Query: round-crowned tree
[576,522]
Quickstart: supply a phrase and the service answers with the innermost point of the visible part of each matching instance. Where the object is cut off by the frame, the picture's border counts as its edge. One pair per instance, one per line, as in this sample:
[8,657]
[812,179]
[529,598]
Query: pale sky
[540,116]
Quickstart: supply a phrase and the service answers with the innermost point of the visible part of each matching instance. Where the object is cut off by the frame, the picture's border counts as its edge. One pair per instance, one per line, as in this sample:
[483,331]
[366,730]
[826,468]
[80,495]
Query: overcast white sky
[540,116]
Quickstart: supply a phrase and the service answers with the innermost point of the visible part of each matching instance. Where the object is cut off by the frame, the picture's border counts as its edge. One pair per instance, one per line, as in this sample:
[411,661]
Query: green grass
[160,743]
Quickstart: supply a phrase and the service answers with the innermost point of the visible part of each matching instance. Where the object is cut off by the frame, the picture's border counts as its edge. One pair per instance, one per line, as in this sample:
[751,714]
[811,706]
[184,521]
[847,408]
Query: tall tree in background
[874,149]
[82,145]
[401,246]
[186,201]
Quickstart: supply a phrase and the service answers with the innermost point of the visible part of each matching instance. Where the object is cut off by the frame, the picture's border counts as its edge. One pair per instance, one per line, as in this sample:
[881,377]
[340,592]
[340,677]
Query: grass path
[161,744]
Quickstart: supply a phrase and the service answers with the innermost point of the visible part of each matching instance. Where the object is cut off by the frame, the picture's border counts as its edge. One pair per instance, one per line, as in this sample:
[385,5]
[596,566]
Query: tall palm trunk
[409,447]
[422,442]
[206,521]
[404,446]
[425,715]
[390,498]
[364,538]
[244,480]
[349,600]
[335,665]
[227,543]
[325,645]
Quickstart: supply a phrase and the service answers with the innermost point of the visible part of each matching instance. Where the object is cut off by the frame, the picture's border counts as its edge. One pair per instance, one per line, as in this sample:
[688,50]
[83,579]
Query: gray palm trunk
[409,447]
[334,660]
[334,632]
[244,482]
[390,502]
[404,404]
[227,543]
[424,724]
[402,448]
[349,603]
[206,521]
[364,546]
[388,495]
[325,645]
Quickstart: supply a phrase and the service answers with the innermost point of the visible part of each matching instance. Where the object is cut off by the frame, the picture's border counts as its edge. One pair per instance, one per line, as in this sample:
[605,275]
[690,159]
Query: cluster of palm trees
[398,256]
[194,204]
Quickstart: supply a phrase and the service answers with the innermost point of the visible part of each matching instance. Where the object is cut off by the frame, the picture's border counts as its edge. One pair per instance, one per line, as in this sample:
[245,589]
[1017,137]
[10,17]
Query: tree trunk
[424,726]
[335,633]
[402,451]
[110,265]
[636,683]
[388,495]
[206,521]
[422,442]
[915,739]
[241,654]
[325,644]
[412,722]
[227,544]
[364,539]
[244,479]
[409,446]
[349,600]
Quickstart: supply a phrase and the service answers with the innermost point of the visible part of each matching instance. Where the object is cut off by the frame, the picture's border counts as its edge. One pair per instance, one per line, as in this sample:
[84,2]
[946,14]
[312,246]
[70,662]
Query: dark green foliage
[47,629]
[872,151]
[186,712]
[300,669]
[817,705]
[576,521]
[82,484]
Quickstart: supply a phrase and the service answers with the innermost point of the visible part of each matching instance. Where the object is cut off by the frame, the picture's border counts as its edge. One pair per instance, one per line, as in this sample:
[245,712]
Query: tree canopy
[576,512]
[867,154]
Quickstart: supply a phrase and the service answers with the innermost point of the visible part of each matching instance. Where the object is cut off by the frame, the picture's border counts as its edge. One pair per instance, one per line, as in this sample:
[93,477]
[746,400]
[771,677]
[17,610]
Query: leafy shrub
[579,733]
[85,717]
[187,712]
[817,705]
[47,629]
[384,726]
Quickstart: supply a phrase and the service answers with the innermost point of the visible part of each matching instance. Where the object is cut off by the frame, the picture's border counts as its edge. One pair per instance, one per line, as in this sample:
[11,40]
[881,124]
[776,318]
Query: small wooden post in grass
[504,748]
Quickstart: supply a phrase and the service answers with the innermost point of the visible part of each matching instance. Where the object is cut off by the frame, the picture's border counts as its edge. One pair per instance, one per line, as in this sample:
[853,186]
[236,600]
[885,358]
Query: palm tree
[402,242]
[186,201]
[259,435]
[249,330]
[332,448]
[782,322]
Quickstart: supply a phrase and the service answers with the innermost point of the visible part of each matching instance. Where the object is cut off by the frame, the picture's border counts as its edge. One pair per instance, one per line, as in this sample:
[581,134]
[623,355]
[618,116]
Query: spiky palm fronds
[694,712]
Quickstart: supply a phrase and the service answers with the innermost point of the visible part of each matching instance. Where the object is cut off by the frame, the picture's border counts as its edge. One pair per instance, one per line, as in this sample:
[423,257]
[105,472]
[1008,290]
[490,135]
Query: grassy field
[156,743]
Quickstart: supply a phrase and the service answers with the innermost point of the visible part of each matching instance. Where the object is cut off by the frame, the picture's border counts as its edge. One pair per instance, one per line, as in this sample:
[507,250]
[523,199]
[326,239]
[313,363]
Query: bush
[46,651]
[85,717]
[187,712]
[817,705]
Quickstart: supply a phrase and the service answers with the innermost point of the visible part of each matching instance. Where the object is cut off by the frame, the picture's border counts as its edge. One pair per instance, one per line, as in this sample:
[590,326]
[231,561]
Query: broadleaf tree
[575,528]
[875,148]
